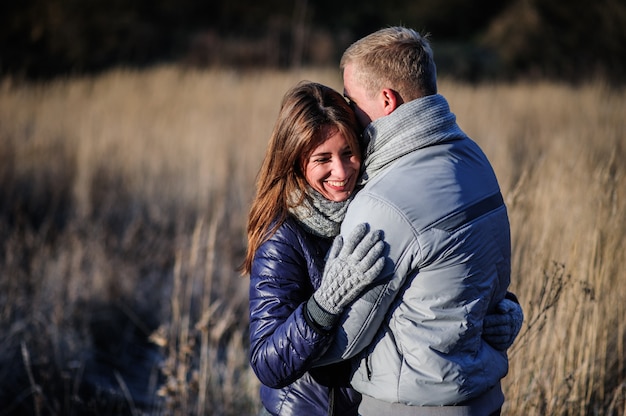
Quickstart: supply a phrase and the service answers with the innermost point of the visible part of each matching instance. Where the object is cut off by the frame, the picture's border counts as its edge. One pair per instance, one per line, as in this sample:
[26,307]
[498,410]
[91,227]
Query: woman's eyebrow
[320,154]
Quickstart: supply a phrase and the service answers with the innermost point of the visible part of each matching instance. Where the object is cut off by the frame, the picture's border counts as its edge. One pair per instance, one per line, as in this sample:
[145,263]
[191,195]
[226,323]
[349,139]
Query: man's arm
[362,319]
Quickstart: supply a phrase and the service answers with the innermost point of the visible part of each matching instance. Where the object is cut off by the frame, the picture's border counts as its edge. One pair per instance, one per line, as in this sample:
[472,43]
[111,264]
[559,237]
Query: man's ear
[391,100]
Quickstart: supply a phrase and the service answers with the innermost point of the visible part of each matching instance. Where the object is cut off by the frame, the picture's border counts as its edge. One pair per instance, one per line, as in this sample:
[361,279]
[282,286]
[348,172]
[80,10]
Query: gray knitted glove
[349,269]
[501,328]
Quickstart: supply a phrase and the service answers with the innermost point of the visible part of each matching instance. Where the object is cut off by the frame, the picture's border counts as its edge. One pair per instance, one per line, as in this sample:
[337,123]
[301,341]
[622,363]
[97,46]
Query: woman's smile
[333,168]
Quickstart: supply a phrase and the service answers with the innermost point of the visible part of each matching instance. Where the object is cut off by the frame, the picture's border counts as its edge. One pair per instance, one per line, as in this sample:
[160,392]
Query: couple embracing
[379,248]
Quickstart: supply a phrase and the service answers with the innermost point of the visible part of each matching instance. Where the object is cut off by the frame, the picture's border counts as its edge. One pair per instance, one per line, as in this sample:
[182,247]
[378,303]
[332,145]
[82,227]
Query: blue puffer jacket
[283,342]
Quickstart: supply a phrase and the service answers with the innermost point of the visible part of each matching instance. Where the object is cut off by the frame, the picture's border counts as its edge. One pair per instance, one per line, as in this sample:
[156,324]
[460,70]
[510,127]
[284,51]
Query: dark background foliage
[569,40]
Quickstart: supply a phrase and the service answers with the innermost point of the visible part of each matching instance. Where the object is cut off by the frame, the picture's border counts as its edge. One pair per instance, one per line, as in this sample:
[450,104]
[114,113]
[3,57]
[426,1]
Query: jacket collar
[414,125]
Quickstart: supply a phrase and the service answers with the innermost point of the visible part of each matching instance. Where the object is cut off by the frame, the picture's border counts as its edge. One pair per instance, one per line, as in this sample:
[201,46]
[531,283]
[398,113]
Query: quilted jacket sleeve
[283,344]
[361,320]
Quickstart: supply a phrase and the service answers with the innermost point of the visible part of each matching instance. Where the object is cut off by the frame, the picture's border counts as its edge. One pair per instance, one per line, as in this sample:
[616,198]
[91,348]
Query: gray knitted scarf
[317,214]
[414,125]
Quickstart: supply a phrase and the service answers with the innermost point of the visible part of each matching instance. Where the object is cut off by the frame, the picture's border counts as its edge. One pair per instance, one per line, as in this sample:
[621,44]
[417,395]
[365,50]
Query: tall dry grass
[122,212]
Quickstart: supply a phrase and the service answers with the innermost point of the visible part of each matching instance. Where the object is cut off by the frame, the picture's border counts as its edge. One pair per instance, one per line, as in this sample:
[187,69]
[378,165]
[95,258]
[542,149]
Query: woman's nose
[339,168]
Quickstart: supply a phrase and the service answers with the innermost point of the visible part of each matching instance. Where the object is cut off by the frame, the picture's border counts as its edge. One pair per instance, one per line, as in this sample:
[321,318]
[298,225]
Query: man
[415,338]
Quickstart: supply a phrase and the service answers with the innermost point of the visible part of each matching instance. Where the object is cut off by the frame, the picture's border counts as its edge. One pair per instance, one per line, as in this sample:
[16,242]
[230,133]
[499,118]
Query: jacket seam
[375,307]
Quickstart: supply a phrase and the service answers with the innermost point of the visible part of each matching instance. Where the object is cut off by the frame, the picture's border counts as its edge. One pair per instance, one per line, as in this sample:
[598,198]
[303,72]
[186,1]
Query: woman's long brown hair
[309,114]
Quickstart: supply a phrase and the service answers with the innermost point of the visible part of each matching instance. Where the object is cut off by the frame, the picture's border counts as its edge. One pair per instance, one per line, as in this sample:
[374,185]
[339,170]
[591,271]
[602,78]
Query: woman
[304,185]
[307,179]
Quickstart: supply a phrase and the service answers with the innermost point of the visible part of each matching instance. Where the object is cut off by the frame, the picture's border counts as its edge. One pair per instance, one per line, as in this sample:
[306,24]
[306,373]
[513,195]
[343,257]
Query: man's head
[385,69]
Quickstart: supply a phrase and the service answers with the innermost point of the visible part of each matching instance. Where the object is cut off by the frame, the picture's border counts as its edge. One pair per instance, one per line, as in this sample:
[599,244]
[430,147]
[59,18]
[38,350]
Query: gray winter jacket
[416,335]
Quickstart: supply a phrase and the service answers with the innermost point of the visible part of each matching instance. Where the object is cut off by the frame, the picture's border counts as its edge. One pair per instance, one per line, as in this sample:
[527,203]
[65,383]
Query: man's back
[449,263]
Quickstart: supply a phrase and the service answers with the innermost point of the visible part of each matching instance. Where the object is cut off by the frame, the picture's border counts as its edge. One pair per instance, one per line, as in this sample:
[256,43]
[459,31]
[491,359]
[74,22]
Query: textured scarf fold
[414,125]
[317,214]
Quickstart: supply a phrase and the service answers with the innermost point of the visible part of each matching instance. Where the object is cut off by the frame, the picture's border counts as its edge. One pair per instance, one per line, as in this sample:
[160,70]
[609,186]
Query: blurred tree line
[570,40]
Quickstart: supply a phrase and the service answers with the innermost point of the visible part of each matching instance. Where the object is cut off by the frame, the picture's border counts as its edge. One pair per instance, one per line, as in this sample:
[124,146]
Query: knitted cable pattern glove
[350,267]
[502,327]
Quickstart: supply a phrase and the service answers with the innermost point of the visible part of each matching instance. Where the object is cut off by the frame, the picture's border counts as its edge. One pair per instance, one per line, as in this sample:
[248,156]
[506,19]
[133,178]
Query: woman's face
[332,169]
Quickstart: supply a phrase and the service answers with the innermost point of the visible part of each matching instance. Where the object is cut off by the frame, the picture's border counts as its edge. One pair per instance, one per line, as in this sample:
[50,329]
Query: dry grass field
[123,200]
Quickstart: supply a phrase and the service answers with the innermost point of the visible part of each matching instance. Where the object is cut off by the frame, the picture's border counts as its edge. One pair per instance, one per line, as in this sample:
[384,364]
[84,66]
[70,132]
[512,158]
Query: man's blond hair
[396,57]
